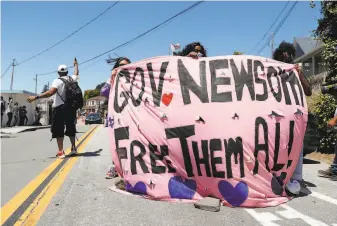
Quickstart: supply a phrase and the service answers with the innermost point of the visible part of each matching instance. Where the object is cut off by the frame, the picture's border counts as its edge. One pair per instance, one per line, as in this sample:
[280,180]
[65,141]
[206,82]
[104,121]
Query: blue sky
[29,27]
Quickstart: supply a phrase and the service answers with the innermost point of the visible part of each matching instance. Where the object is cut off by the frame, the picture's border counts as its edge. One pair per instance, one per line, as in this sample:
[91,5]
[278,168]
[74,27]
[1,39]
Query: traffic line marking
[17,206]
[324,197]
[38,207]
[291,213]
[264,218]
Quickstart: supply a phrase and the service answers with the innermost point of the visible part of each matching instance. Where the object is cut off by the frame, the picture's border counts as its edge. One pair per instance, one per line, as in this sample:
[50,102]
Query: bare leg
[60,143]
[72,140]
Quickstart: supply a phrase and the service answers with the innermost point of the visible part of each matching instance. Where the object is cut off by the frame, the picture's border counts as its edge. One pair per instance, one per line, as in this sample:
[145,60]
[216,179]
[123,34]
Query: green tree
[323,107]
[327,33]
[238,53]
[91,93]
[99,86]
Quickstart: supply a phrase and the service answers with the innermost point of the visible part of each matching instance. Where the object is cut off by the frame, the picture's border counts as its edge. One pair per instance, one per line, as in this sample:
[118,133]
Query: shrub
[323,107]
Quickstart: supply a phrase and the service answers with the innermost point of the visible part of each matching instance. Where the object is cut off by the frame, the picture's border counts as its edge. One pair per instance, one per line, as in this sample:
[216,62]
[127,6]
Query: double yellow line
[28,205]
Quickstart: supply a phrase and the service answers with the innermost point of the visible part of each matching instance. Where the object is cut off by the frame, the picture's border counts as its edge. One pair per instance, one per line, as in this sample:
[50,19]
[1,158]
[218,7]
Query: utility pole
[12,78]
[35,88]
[35,84]
[272,44]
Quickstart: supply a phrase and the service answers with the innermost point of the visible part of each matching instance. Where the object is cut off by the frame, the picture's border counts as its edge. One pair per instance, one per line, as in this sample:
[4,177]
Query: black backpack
[74,96]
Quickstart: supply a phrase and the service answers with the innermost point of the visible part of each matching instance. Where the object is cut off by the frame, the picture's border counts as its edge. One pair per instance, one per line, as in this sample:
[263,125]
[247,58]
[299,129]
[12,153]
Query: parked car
[93,118]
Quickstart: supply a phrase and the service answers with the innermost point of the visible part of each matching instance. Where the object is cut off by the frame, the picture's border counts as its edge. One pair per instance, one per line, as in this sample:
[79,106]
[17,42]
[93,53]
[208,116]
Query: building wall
[43,105]
[22,100]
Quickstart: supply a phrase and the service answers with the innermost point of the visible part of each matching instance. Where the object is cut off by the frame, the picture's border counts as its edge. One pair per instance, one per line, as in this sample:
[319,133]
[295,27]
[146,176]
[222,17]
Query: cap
[62,68]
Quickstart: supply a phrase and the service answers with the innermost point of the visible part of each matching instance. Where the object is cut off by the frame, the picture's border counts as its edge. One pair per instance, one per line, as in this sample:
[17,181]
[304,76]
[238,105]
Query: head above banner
[214,126]
[194,47]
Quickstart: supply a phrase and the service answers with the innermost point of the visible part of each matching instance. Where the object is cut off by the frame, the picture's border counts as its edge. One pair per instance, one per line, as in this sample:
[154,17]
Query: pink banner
[230,127]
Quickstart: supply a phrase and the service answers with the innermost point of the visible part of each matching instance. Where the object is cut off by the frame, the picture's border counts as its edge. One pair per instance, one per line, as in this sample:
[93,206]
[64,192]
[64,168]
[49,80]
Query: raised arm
[304,82]
[76,71]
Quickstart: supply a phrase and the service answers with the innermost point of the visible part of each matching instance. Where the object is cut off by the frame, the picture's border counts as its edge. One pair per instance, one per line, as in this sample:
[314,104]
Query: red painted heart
[167,98]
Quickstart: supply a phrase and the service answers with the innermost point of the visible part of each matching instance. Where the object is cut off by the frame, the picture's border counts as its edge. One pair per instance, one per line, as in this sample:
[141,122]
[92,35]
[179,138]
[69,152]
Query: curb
[28,129]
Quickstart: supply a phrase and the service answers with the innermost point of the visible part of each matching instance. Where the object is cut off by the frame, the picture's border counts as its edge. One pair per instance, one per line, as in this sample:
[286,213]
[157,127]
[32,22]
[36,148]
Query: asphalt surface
[24,156]
[84,198]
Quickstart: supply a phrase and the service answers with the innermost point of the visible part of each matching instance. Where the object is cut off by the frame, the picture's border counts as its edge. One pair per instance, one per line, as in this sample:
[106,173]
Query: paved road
[24,156]
[84,199]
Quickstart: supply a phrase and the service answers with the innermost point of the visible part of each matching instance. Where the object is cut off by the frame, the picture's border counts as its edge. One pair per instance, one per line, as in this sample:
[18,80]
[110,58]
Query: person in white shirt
[9,112]
[62,113]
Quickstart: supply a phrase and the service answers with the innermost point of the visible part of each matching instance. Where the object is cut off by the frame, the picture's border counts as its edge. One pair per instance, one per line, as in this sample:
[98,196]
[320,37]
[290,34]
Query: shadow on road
[7,136]
[84,154]
[88,154]
[310,161]
[304,188]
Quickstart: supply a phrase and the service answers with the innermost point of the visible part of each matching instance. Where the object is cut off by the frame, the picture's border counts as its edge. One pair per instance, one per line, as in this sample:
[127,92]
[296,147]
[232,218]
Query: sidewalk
[20,129]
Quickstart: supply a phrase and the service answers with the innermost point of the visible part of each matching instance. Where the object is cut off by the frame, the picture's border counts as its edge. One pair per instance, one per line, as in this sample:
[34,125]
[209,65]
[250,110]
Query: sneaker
[111,173]
[294,187]
[60,155]
[333,177]
[325,173]
[73,151]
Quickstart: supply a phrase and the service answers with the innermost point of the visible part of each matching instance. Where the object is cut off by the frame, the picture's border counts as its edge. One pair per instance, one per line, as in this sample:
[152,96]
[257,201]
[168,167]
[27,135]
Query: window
[92,103]
[319,65]
[307,67]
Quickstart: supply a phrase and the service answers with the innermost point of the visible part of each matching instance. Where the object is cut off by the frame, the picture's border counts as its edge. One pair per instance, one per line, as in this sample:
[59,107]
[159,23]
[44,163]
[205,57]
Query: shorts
[63,116]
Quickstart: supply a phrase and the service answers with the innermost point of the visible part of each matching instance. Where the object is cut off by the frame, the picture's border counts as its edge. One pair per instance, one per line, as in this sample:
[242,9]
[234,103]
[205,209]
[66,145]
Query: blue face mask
[200,54]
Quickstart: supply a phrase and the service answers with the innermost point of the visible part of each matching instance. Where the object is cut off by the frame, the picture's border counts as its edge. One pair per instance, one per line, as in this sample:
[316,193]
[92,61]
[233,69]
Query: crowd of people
[17,114]
[63,115]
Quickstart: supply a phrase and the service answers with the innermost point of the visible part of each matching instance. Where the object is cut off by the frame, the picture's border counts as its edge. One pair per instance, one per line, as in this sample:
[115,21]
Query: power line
[271,26]
[139,36]
[278,27]
[99,15]
[7,70]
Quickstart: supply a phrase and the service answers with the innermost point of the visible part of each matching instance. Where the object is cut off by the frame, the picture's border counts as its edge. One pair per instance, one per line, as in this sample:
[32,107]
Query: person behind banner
[120,61]
[194,50]
[105,91]
[285,53]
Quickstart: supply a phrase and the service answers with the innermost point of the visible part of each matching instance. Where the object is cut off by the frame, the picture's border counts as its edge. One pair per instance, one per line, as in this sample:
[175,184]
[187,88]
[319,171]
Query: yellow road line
[9,208]
[40,204]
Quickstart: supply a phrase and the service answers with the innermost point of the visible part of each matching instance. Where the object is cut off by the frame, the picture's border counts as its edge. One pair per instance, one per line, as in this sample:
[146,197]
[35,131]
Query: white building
[19,96]
[94,104]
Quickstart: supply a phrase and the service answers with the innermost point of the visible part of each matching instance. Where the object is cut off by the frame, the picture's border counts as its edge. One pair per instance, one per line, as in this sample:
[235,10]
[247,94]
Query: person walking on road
[67,99]
[3,108]
[9,112]
[37,116]
[22,115]
[16,113]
